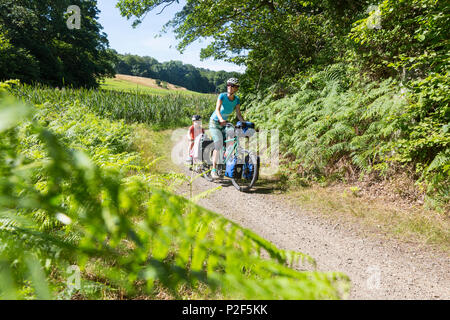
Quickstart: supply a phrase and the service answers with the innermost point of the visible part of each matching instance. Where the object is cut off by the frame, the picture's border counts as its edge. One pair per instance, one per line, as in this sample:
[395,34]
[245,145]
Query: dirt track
[378,268]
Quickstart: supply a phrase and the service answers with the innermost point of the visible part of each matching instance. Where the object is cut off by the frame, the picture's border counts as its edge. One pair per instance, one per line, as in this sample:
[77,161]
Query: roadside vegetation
[376,214]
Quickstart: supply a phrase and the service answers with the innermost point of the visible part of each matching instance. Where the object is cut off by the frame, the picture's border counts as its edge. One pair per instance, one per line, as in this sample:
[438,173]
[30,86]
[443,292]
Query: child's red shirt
[191,132]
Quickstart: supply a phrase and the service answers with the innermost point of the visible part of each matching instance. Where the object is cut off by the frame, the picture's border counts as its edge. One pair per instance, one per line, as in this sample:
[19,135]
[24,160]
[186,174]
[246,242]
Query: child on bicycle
[194,130]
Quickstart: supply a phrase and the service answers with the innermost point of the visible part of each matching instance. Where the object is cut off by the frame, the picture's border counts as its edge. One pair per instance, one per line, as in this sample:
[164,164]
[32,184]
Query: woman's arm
[218,105]
[238,113]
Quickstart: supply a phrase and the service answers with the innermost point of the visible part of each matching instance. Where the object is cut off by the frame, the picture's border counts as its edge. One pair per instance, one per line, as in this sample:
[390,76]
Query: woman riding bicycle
[226,103]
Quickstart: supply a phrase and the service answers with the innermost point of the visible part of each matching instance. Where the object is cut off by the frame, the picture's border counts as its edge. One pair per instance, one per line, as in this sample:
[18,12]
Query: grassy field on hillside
[127,85]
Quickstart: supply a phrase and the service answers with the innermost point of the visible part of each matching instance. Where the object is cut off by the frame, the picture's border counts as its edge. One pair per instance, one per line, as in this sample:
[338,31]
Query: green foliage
[327,121]
[280,40]
[413,39]
[425,141]
[119,227]
[171,110]
[413,45]
[37,46]
[11,58]
[333,124]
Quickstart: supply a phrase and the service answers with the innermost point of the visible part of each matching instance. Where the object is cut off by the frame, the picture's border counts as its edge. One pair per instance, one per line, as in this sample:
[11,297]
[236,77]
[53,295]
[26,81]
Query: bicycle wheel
[244,181]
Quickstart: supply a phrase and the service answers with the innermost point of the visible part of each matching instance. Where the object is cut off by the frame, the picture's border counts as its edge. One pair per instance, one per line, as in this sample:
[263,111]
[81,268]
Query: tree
[16,63]
[38,29]
[274,39]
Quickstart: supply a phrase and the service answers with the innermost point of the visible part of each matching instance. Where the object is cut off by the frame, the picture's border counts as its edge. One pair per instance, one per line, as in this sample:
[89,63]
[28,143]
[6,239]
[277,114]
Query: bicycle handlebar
[242,126]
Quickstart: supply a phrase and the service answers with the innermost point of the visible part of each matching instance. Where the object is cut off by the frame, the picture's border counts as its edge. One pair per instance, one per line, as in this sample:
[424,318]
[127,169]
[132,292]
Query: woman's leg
[214,159]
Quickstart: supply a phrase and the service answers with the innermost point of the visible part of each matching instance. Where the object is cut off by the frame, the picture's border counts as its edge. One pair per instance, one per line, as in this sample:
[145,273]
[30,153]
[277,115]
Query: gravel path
[379,268]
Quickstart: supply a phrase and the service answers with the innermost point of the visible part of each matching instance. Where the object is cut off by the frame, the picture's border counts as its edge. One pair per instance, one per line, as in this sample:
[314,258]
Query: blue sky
[141,40]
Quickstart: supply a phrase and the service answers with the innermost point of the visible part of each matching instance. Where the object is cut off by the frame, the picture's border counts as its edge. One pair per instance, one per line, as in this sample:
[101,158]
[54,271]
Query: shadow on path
[262,186]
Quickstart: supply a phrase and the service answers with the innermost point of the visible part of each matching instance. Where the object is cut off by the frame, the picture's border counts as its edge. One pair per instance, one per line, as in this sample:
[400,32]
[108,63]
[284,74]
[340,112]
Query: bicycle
[247,162]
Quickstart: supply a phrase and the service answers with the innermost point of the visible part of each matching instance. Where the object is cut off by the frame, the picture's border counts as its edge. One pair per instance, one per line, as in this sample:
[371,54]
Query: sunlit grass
[124,85]
[407,223]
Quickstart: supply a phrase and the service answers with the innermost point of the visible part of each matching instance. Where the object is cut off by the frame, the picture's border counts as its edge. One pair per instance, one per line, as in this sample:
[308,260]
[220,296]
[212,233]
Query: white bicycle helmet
[233,81]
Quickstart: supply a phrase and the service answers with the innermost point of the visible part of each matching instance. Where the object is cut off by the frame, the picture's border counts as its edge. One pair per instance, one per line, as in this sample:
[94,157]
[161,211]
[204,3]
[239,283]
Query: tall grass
[124,86]
[171,110]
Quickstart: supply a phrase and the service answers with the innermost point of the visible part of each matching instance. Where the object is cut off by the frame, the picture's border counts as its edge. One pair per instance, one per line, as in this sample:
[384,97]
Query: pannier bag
[248,169]
[245,129]
[233,169]
[246,124]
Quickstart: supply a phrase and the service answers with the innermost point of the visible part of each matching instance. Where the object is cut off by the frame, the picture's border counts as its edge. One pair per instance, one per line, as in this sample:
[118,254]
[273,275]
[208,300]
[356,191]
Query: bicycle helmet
[233,81]
[196,117]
